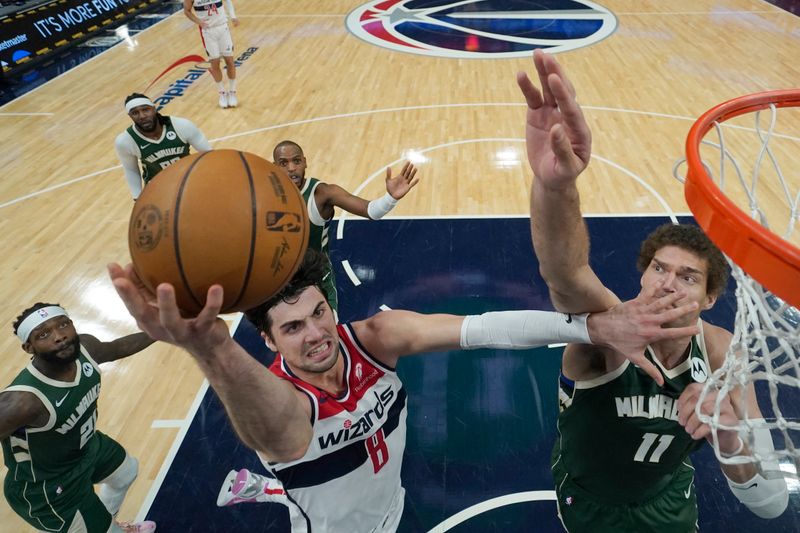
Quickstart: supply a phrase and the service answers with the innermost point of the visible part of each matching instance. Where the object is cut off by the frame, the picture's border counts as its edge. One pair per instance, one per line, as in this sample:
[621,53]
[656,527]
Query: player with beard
[48,420]
[155,140]
[321,199]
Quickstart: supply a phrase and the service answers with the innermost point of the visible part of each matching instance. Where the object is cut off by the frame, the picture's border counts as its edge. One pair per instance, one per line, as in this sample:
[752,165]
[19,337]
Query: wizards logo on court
[481,28]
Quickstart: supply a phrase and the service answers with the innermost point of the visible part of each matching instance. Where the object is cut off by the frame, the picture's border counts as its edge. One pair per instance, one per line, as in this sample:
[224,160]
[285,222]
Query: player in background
[212,18]
[155,140]
[321,199]
[48,429]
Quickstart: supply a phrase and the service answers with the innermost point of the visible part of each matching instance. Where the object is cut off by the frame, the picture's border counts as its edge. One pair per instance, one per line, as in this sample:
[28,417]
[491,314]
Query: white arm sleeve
[229,9]
[518,330]
[766,498]
[190,133]
[128,154]
[378,209]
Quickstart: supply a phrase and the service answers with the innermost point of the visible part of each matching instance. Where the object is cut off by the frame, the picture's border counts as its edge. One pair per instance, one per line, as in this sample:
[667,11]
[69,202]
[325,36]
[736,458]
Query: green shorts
[673,510]
[51,505]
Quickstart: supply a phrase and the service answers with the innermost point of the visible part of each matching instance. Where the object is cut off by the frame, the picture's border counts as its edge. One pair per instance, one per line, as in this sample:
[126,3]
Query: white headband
[36,319]
[136,102]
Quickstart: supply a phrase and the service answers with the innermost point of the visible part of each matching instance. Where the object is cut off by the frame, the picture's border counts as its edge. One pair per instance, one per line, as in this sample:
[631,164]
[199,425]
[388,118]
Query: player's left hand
[629,327]
[235,22]
[398,186]
[689,409]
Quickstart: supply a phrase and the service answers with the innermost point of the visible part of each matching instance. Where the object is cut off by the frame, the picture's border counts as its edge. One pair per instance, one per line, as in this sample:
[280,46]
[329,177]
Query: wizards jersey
[618,434]
[349,479]
[211,12]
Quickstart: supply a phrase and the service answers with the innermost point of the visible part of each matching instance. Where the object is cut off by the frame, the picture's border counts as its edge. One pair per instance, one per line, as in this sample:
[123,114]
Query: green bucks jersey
[318,235]
[618,434]
[156,155]
[36,454]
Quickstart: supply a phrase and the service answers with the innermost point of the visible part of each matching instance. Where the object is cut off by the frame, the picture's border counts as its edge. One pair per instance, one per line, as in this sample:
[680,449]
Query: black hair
[691,238]
[310,274]
[281,145]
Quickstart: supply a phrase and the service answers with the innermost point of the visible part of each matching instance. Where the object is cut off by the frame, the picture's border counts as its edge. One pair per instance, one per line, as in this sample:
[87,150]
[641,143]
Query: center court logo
[479,29]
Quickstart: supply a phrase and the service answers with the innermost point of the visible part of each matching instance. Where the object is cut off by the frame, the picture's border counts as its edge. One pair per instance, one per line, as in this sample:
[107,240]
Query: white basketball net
[765,350]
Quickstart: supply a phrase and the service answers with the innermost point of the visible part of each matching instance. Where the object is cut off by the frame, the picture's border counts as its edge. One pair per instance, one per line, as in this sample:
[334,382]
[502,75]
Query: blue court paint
[481,424]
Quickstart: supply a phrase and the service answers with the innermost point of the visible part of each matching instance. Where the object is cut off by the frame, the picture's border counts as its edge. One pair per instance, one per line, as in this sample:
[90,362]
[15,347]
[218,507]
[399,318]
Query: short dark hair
[135,95]
[27,312]
[310,274]
[281,145]
[690,238]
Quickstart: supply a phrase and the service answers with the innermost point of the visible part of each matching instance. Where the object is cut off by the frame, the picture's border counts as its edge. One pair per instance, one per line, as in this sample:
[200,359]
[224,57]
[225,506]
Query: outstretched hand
[158,314]
[630,326]
[398,186]
[558,140]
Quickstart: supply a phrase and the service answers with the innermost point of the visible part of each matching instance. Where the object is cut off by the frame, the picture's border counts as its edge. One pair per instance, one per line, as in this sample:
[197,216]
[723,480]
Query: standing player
[621,460]
[48,420]
[330,418]
[321,199]
[155,140]
[212,19]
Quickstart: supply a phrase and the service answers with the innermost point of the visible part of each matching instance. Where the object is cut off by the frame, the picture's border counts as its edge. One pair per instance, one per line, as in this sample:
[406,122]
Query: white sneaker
[243,486]
[223,99]
[232,101]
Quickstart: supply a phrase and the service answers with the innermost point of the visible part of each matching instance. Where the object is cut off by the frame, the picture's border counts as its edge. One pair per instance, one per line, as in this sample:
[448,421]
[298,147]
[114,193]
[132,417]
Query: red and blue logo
[481,28]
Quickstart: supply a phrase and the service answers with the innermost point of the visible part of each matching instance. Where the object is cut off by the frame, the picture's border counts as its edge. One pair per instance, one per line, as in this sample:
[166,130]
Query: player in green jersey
[153,140]
[48,420]
[326,197]
[625,431]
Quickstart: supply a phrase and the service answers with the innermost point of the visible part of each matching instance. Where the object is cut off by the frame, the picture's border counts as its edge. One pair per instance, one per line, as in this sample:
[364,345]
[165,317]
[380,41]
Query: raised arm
[103,352]
[268,414]
[559,145]
[329,196]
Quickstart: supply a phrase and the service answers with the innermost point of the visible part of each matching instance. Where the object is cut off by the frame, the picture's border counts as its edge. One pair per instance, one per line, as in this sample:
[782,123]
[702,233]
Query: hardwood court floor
[355,108]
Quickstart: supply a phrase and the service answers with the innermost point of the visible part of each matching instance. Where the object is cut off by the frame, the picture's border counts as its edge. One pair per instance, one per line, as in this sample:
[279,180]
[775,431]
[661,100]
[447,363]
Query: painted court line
[494,503]
[176,444]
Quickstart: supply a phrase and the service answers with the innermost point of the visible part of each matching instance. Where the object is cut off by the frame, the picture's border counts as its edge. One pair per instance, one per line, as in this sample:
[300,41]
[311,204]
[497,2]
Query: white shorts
[217,41]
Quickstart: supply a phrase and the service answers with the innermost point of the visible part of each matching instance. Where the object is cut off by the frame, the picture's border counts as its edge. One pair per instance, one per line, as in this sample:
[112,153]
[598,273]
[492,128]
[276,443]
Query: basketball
[220,217]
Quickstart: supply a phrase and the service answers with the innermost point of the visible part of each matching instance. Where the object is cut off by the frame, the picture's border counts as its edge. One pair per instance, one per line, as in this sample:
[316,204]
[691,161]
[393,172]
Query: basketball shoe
[232,101]
[223,99]
[244,486]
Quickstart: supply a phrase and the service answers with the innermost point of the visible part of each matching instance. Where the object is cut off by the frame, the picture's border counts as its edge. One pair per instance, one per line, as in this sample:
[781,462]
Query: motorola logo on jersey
[481,28]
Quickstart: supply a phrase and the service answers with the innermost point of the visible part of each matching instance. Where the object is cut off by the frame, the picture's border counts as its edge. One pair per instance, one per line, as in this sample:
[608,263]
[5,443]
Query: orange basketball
[220,217]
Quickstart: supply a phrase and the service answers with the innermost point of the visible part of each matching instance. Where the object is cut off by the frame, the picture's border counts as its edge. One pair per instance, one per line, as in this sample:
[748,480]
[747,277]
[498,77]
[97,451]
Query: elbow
[288,454]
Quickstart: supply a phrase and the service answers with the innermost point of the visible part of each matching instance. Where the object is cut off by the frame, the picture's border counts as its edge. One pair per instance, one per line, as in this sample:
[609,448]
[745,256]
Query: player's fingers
[388,173]
[666,301]
[413,183]
[168,312]
[651,369]
[214,300]
[559,143]
[532,95]
[542,62]
[677,333]
[411,175]
[675,313]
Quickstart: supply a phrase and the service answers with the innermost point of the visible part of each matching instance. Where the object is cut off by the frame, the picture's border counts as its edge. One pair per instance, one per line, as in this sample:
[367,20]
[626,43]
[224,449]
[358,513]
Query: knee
[125,475]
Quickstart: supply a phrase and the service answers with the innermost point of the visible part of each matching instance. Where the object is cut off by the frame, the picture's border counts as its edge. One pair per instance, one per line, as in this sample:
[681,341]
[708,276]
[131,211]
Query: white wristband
[377,209]
[518,330]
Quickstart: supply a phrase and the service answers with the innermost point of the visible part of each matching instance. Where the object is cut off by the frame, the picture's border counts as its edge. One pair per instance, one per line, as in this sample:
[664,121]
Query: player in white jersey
[212,18]
[329,419]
